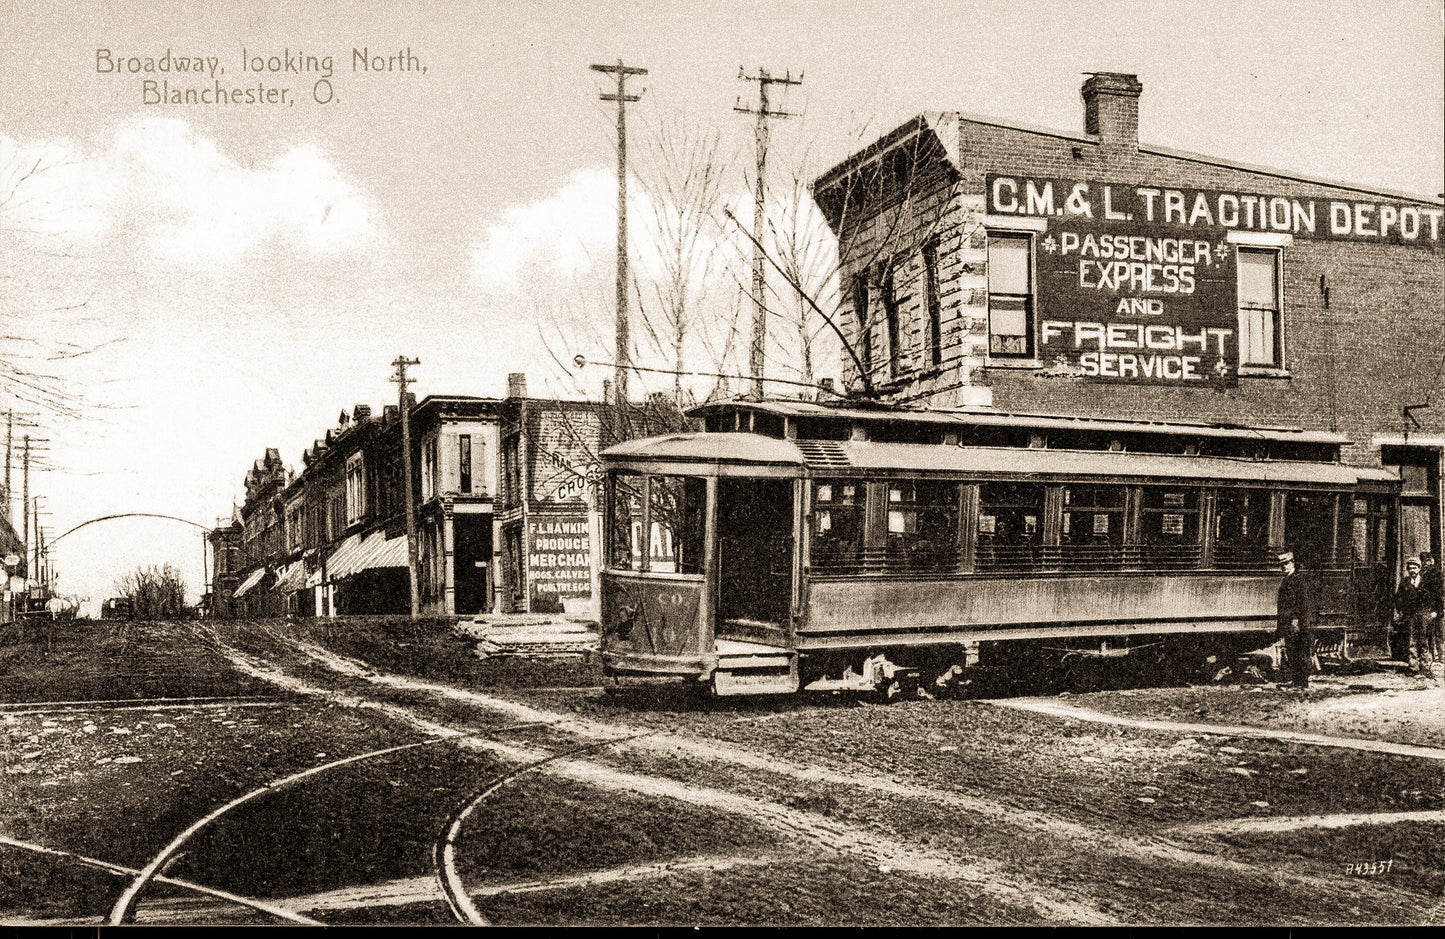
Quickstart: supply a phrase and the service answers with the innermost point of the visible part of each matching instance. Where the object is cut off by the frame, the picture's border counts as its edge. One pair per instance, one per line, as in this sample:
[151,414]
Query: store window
[355,489]
[464,463]
[889,297]
[1259,306]
[865,326]
[1010,294]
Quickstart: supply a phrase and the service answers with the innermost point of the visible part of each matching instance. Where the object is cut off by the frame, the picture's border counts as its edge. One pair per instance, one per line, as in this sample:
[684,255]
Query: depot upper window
[1010,294]
[1259,306]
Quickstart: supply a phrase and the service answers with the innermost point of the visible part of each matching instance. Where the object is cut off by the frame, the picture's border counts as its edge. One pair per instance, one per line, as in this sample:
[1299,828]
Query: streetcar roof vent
[823,453]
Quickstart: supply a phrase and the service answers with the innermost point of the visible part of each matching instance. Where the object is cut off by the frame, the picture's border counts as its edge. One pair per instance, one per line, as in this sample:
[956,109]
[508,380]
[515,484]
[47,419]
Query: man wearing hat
[1430,577]
[1414,611]
[1296,618]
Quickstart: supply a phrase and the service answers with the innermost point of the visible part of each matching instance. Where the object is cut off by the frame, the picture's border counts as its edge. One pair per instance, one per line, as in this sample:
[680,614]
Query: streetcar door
[755,558]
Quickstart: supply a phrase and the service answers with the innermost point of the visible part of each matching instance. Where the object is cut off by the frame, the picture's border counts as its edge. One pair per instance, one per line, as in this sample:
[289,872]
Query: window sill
[1013,363]
[1263,371]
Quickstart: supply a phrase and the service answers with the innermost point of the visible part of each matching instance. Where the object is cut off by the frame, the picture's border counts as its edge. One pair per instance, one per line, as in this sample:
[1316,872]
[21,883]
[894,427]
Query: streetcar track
[122,911]
[1145,849]
[444,852]
[1072,711]
[283,912]
[137,704]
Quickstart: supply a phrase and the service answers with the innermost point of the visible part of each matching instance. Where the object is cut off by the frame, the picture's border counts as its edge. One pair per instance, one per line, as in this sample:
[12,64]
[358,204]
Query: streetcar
[795,545]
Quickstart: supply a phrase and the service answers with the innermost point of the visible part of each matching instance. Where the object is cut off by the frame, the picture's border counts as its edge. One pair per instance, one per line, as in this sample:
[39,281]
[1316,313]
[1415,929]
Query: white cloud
[161,186]
[562,235]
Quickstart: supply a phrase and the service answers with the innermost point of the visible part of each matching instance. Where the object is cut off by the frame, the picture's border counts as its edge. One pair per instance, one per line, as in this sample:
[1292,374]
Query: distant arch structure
[107,518]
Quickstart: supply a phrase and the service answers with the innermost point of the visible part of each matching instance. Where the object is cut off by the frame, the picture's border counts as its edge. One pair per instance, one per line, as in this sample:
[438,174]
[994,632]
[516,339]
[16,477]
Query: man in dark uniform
[1415,611]
[1296,618]
[1435,594]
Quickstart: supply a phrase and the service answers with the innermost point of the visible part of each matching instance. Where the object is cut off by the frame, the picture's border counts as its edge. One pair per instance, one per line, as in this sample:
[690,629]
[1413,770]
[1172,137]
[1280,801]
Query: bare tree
[682,180]
[155,593]
[903,188]
[32,366]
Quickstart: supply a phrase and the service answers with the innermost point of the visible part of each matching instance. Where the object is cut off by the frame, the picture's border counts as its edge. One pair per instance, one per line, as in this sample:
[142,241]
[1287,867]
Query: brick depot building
[985,264]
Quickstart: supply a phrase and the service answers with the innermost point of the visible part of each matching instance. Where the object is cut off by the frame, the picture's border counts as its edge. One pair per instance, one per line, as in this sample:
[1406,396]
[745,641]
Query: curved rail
[278,911]
[444,853]
[122,911]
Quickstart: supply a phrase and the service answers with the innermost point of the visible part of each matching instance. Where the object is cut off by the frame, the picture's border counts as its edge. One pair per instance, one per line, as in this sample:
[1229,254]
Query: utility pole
[30,443]
[401,363]
[9,444]
[25,508]
[757,351]
[624,341]
[10,417]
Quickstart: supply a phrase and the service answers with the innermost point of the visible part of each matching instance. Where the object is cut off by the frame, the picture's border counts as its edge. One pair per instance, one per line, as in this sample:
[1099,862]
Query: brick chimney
[516,384]
[1111,109]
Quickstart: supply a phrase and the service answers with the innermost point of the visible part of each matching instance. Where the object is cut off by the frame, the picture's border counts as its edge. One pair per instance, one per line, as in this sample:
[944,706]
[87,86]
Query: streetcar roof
[965,417]
[849,456]
[709,448]
[984,461]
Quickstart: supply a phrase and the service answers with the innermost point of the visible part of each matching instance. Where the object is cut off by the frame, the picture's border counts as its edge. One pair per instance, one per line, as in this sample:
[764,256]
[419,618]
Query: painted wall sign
[1208,210]
[1124,293]
[559,560]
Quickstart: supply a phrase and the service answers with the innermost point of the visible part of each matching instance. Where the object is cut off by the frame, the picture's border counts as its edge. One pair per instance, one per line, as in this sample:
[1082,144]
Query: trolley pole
[757,351]
[401,380]
[624,341]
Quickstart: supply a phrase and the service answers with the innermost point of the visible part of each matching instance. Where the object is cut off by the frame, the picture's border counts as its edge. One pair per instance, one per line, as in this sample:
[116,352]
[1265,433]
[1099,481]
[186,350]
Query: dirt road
[1091,809]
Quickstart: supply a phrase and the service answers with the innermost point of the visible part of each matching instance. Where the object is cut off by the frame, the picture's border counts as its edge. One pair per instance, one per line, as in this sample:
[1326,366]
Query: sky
[186,285]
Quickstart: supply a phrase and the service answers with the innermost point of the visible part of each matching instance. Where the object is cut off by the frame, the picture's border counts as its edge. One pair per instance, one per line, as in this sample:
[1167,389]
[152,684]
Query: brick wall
[1350,367]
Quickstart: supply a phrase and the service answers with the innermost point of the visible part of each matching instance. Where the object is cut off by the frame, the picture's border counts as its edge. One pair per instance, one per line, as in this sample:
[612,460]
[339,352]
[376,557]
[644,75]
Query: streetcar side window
[1093,525]
[678,507]
[1310,528]
[1241,529]
[1169,526]
[1010,526]
[837,522]
[624,503]
[923,523]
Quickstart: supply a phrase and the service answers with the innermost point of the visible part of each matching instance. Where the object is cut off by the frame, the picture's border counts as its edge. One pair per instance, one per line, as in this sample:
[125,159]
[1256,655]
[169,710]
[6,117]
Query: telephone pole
[757,351]
[624,341]
[30,447]
[401,363]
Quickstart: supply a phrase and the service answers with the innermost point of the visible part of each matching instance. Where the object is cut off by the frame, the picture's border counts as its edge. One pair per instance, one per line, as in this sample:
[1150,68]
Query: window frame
[355,489]
[1029,297]
[892,317]
[1273,313]
[932,306]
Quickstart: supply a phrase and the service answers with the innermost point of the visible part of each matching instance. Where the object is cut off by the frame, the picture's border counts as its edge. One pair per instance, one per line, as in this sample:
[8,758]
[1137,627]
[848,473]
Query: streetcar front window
[679,517]
[624,517]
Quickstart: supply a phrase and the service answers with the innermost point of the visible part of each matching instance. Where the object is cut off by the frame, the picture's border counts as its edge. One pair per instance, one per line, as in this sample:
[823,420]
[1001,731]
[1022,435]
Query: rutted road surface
[569,808]
[1078,899]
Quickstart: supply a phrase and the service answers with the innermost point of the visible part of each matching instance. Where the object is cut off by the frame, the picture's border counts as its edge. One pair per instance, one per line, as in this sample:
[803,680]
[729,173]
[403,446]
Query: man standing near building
[1435,594]
[1414,611]
[1296,617]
